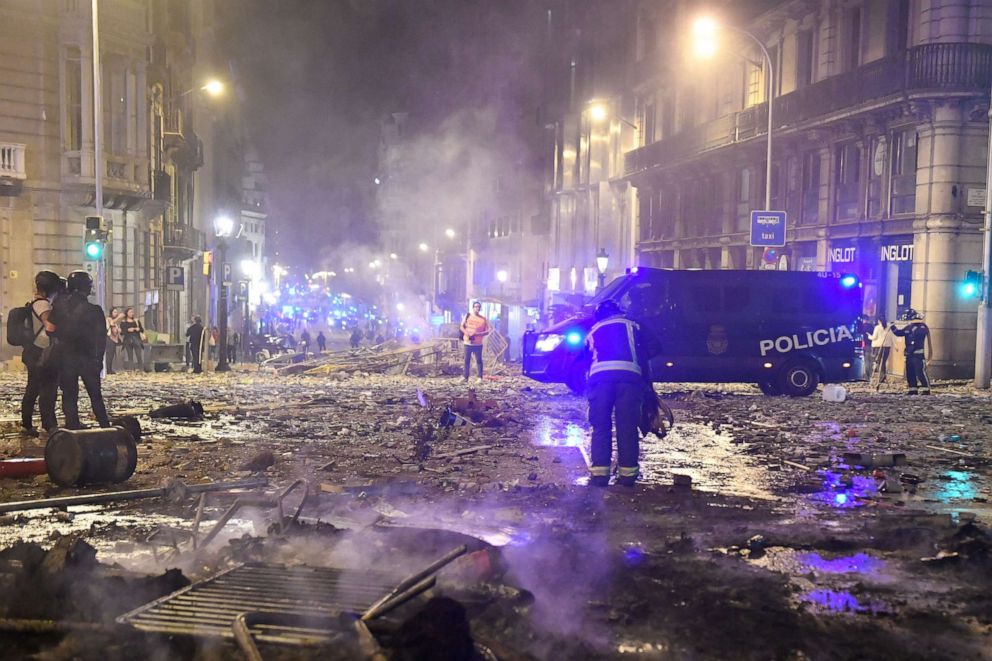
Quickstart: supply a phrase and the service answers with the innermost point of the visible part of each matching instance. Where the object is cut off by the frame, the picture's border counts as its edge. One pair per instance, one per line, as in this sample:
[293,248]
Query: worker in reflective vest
[617,376]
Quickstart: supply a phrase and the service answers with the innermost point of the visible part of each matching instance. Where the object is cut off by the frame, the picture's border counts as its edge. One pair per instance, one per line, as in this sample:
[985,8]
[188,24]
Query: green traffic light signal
[93,250]
[971,287]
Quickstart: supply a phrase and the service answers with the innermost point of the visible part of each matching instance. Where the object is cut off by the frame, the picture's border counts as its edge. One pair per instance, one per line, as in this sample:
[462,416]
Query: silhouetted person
[321,342]
[194,338]
[81,331]
[40,358]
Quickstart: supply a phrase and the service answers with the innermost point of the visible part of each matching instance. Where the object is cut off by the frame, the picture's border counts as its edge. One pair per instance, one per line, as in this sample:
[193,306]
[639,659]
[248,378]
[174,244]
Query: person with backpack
[81,334]
[32,325]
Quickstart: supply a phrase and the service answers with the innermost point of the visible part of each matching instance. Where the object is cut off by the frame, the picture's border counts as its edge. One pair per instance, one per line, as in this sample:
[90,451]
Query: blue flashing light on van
[787,331]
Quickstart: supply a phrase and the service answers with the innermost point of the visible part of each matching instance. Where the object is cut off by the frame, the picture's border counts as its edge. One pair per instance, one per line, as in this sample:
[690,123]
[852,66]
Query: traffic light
[93,245]
[971,286]
[94,238]
[208,260]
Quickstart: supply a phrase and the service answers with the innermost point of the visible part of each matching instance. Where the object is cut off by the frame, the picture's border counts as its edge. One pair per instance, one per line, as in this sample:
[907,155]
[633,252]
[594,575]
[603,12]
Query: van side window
[645,299]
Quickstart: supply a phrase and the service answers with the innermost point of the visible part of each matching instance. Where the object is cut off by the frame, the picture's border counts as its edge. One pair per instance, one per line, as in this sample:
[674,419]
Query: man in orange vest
[474,329]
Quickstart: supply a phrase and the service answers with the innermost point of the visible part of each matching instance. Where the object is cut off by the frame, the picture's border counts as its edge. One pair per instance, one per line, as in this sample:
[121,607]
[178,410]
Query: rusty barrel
[77,457]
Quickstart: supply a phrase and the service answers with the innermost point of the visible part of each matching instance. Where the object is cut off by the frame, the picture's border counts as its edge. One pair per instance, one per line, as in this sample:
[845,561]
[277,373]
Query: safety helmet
[79,281]
[607,309]
[910,315]
[47,282]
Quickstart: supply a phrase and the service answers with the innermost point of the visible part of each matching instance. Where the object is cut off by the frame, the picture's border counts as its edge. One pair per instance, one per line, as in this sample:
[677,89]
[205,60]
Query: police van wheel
[799,380]
[770,389]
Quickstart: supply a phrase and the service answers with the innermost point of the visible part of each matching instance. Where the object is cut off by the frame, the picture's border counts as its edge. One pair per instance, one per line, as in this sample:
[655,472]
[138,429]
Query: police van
[787,331]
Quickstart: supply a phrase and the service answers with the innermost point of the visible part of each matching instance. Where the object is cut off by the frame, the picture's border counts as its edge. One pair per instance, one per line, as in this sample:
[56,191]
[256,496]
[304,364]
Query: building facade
[880,133]
[158,201]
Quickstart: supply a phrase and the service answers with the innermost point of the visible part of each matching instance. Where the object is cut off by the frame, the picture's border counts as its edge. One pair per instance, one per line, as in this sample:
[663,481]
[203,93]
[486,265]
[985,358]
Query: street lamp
[602,263]
[424,247]
[599,111]
[450,233]
[983,334]
[704,32]
[223,229]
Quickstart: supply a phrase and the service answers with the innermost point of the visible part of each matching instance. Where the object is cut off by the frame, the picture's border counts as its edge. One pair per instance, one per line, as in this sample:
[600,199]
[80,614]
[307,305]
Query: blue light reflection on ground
[838,601]
[860,563]
[844,494]
[633,555]
[957,486]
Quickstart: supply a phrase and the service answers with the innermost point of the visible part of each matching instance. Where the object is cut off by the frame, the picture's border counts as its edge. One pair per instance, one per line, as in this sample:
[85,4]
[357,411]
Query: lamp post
[602,263]
[704,30]
[983,334]
[223,228]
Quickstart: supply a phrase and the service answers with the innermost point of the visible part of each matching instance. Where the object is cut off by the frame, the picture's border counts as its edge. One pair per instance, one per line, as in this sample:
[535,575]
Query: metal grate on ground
[208,608]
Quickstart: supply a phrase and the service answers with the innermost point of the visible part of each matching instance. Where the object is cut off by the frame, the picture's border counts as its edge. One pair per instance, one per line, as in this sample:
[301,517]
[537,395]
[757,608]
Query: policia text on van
[787,331]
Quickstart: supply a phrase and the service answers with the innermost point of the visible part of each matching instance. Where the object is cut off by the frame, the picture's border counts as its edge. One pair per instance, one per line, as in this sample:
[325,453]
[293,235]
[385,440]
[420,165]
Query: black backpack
[20,326]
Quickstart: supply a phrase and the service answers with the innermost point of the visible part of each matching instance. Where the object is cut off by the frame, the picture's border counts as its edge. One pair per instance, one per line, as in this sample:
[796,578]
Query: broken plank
[459,453]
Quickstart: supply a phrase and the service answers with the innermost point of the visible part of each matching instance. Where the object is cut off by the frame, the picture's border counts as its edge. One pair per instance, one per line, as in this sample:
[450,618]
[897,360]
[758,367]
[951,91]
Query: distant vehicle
[787,331]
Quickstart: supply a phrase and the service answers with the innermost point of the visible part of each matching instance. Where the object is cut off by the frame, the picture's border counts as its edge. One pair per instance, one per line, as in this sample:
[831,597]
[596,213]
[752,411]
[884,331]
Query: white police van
[787,331]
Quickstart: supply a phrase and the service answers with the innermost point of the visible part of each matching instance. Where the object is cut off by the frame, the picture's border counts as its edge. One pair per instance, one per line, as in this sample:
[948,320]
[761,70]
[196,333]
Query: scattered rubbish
[451,419]
[393,488]
[190,410]
[78,457]
[259,462]
[440,630]
[258,501]
[22,467]
[869,460]
[477,567]
[833,392]
[910,478]
[957,452]
[795,465]
[943,558]
[401,593]
[460,453]
[97,498]
[951,438]
[130,424]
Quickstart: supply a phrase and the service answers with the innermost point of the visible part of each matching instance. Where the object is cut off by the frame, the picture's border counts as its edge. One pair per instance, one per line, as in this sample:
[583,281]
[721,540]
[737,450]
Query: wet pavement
[780,520]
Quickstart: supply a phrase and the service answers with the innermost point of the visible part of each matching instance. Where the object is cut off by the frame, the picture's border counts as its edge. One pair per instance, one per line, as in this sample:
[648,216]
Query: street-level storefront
[885,267]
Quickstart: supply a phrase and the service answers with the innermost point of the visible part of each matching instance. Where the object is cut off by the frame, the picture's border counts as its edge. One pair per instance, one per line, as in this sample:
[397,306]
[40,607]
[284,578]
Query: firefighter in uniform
[916,334]
[617,377]
[81,330]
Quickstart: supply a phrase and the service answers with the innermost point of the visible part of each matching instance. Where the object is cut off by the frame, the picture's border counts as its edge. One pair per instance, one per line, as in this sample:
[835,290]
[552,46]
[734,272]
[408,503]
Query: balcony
[181,242]
[12,161]
[932,68]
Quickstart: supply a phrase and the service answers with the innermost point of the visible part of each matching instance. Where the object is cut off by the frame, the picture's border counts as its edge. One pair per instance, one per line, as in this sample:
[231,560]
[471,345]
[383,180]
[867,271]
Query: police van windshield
[612,290]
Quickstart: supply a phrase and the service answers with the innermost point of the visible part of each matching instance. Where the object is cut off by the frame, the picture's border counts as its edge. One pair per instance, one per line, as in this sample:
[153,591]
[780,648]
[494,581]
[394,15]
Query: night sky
[318,76]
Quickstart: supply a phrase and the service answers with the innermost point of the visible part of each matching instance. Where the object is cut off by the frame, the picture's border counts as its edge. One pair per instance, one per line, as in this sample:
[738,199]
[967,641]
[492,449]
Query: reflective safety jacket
[917,335]
[613,344]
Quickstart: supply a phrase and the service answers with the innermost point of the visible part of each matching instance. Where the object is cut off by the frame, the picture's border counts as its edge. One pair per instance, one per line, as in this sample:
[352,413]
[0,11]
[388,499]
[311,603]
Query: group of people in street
[70,338]
[126,335]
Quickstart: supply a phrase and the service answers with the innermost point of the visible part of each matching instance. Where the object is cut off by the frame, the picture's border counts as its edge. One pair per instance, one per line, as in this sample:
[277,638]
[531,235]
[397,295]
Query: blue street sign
[175,278]
[768,228]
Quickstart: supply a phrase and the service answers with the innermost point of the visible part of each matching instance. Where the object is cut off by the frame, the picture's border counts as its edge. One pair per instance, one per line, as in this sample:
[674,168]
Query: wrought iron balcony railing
[943,68]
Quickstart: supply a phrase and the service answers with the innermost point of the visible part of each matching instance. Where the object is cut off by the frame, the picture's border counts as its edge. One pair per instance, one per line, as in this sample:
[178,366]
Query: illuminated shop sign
[897,253]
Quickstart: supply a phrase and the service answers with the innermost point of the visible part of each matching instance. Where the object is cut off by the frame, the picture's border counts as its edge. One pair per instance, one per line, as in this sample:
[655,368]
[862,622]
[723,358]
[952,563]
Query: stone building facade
[880,139]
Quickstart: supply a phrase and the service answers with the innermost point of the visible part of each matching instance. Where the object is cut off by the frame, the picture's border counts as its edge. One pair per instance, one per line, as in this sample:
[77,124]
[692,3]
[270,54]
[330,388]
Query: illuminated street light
[213,87]
[704,31]
[223,226]
[502,276]
[400,307]
[393,255]
[424,247]
[251,268]
[602,263]
[598,112]
[450,233]
[704,36]
[377,180]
